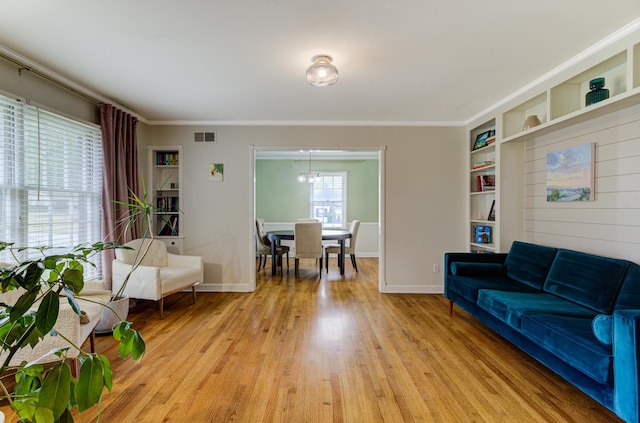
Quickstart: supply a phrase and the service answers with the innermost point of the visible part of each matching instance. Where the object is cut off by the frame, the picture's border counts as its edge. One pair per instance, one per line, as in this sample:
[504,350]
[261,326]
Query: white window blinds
[50,179]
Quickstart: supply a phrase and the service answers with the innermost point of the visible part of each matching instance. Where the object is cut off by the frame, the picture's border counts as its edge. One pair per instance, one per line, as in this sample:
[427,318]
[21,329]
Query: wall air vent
[204,136]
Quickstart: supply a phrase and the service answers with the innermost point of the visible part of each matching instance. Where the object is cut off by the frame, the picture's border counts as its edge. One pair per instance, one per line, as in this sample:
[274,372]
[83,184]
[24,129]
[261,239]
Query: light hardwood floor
[329,349]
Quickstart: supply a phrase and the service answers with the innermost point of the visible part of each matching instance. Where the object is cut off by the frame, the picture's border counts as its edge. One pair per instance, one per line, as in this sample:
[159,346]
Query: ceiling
[243,62]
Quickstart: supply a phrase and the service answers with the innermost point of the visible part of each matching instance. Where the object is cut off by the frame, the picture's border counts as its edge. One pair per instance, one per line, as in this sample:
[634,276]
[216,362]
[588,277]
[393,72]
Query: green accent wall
[281,198]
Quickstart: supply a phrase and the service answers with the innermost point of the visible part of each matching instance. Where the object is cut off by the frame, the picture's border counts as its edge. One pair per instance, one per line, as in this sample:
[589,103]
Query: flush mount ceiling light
[322,73]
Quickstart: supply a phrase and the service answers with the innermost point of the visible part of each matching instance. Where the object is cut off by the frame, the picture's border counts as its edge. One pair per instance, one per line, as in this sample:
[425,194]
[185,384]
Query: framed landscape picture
[570,174]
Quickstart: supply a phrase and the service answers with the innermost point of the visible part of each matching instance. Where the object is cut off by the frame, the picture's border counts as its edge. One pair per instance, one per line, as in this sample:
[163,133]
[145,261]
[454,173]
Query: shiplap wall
[608,226]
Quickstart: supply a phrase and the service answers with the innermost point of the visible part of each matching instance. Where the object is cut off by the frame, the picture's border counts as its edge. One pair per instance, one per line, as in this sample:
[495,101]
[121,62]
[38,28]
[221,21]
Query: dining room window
[329,199]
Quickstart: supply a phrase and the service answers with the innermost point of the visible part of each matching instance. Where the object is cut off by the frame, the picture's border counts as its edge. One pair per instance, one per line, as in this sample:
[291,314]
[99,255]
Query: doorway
[343,154]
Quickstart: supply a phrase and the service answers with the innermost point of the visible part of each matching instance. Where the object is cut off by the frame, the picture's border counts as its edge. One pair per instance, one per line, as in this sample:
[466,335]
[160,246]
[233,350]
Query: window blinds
[50,179]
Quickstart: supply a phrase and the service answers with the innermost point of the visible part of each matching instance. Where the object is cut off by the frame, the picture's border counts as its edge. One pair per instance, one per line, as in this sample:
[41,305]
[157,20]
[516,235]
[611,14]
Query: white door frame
[381,150]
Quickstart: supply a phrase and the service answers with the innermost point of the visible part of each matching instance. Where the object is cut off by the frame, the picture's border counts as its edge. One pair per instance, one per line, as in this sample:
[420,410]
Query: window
[329,199]
[50,180]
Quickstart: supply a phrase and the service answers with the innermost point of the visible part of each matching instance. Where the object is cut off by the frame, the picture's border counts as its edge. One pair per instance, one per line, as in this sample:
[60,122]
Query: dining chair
[349,246]
[263,247]
[308,242]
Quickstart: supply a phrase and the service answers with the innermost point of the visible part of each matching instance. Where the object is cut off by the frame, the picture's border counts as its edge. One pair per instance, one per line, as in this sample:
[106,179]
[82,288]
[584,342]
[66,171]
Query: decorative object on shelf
[482,140]
[570,174]
[309,176]
[597,93]
[483,234]
[530,122]
[216,172]
[322,73]
[492,211]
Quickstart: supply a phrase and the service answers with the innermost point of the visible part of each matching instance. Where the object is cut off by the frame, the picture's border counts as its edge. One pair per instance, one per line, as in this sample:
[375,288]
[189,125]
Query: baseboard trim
[413,289]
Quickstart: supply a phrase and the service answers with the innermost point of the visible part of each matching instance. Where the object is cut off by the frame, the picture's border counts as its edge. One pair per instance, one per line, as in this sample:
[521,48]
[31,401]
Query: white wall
[424,186]
[609,225]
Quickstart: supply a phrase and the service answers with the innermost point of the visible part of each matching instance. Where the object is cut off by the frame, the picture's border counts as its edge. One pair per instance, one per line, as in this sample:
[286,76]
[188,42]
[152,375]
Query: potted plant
[48,394]
[140,213]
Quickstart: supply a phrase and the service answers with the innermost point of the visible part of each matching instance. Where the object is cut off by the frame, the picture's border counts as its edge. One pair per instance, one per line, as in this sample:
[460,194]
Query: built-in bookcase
[165,185]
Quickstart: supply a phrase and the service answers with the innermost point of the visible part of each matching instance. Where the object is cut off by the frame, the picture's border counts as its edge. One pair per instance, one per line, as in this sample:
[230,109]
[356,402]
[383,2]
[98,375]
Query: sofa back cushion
[629,295]
[156,256]
[529,263]
[586,279]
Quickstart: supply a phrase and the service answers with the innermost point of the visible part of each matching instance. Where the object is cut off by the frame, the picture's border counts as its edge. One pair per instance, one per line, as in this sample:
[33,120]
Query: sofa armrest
[626,359]
[178,260]
[144,282]
[472,258]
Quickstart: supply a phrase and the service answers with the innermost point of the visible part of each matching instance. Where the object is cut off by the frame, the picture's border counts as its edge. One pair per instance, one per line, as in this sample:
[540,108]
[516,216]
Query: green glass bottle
[597,93]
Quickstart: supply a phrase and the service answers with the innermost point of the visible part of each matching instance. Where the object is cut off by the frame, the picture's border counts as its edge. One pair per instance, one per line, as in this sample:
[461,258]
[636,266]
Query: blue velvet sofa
[576,313]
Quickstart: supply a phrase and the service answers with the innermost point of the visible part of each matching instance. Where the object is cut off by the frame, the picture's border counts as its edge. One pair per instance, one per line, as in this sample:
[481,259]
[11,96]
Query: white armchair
[160,273]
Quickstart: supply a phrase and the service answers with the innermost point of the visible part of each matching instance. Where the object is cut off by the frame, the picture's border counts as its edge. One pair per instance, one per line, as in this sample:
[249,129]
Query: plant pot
[109,319]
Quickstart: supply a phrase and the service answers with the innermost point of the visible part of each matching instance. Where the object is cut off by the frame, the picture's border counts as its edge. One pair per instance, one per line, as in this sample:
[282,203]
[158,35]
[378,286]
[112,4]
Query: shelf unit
[481,198]
[165,184]
[559,104]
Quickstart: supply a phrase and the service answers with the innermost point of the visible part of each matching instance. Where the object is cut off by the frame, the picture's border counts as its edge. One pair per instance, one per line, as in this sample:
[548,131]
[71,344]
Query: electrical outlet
[436,268]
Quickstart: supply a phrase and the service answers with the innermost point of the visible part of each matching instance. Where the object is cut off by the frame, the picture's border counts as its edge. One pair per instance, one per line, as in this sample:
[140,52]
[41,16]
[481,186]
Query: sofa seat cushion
[510,306]
[589,280]
[529,263]
[176,278]
[468,286]
[571,339]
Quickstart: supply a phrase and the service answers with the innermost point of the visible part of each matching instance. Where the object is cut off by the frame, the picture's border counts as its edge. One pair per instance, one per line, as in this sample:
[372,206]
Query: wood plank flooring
[329,349]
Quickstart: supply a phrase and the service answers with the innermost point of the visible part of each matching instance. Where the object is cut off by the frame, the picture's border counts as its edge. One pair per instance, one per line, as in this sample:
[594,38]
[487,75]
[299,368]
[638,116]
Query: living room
[424,206]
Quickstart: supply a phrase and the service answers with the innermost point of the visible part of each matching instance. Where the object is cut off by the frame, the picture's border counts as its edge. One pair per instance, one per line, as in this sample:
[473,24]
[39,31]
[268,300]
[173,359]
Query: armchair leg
[450,308]
[161,308]
[92,341]
[193,293]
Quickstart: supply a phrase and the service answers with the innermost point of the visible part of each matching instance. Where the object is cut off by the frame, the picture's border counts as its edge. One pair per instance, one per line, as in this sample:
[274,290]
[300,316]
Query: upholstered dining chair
[308,241]
[263,247]
[349,246]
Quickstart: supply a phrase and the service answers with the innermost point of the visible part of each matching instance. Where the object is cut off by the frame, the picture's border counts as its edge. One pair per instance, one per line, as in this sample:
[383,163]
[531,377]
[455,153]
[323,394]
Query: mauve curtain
[120,176]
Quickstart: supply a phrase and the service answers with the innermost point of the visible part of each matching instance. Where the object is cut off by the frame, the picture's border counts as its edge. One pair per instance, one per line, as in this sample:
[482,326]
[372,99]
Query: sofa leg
[450,308]
[92,341]
[161,308]
[193,292]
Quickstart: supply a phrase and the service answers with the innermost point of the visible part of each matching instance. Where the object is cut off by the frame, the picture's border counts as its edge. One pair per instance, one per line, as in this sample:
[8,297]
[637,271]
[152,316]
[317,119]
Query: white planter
[109,319]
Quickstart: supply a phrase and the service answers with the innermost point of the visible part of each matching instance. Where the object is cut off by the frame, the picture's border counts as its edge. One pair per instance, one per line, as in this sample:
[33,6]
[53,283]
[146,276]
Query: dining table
[339,235]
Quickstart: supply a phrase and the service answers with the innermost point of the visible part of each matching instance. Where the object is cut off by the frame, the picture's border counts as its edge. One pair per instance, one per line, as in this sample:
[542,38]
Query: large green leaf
[108,374]
[33,273]
[48,312]
[74,279]
[56,390]
[44,415]
[72,301]
[90,383]
[23,304]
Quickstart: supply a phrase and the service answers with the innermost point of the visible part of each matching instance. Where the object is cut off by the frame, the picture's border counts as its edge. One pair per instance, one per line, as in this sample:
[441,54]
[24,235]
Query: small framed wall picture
[492,211]
[216,172]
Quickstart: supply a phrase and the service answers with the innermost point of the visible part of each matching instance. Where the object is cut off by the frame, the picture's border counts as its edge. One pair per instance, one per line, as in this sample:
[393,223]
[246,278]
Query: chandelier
[310,177]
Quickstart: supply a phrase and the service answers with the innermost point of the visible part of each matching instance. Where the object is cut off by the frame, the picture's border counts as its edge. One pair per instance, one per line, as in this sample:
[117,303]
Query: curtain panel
[120,179]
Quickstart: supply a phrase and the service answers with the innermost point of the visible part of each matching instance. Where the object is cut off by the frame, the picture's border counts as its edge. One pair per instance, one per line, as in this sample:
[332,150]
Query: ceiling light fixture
[322,73]
[309,176]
